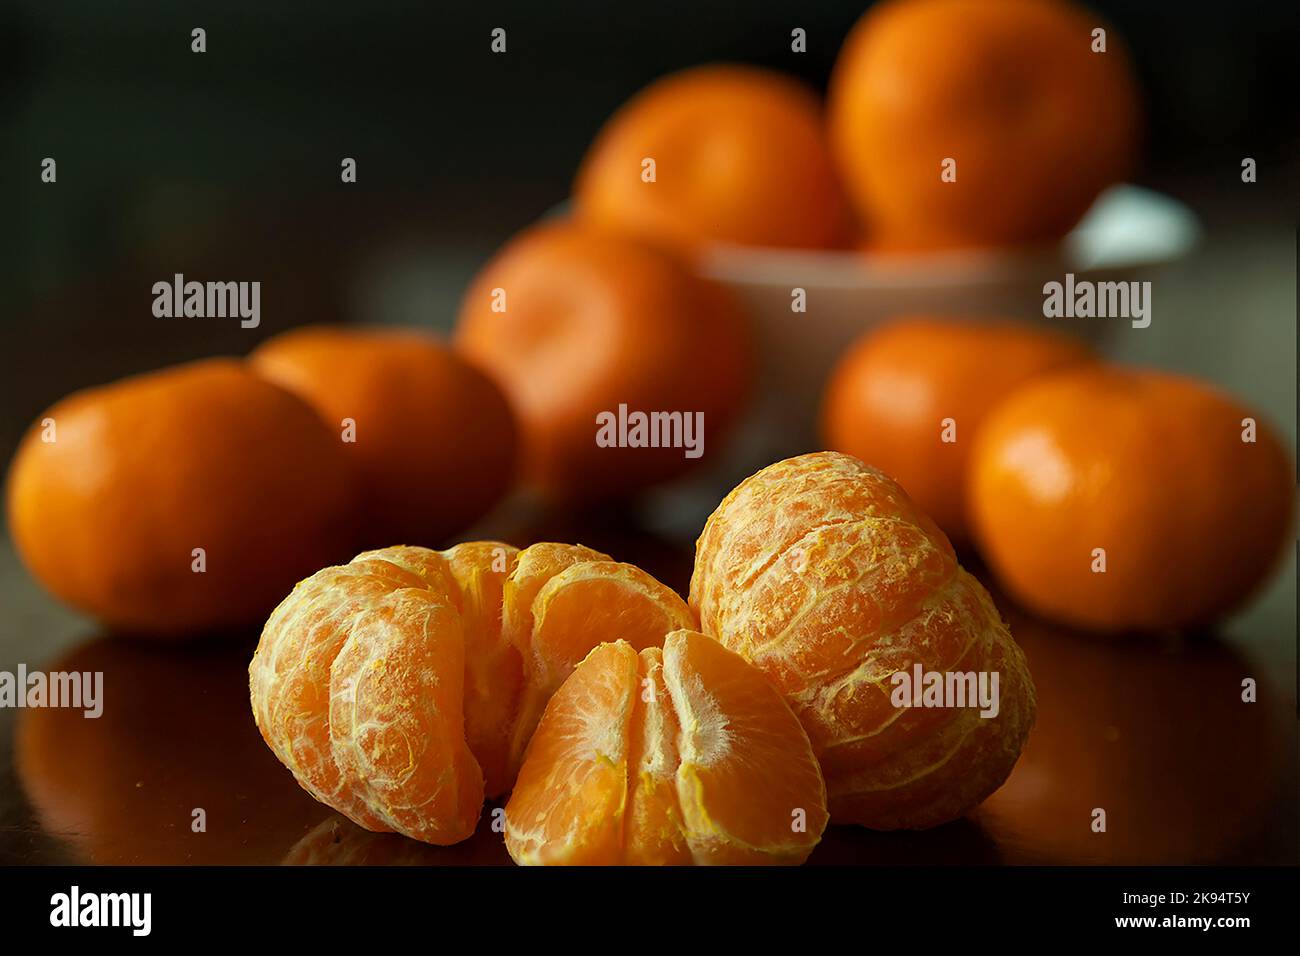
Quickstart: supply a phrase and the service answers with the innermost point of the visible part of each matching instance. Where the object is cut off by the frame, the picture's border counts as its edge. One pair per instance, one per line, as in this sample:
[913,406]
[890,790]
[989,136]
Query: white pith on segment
[673,738]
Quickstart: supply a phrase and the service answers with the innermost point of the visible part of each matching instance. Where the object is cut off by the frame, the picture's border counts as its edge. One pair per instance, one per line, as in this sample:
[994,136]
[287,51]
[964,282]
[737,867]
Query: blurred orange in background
[1187,493]
[434,440]
[739,156]
[574,322]
[910,396]
[184,500]
[1035,122]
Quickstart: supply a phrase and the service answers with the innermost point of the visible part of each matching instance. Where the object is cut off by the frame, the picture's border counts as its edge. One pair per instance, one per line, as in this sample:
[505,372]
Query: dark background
[226,164]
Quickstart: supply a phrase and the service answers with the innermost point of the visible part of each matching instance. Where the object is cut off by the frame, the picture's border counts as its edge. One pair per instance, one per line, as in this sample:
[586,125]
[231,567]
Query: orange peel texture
[680,755]
[402,688]
[823,573]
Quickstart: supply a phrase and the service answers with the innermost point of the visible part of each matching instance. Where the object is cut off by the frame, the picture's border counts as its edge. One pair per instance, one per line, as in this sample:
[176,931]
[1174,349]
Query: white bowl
[1128,232]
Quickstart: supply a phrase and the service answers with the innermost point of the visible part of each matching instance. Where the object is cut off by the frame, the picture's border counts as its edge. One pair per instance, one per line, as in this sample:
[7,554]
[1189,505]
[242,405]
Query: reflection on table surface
[1153,731]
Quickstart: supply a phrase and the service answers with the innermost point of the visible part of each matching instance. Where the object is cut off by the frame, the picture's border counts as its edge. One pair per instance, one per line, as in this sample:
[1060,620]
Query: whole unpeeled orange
[910,397]
[585,331]
[1126,499]
[980,122]
[179,501]
[432,437]
[715,154]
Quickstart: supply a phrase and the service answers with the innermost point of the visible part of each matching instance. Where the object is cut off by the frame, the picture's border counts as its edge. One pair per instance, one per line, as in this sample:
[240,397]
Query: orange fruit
[822,572]
[432,437]
[592,322]
[1036,123]
[910,396]
[674,756]
[562,599]
[1150,468]
[478,636]
[114,488]
[739,157]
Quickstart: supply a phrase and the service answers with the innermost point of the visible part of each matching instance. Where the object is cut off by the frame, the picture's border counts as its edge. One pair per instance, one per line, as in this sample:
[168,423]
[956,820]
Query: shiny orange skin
[887,400]
[1147,465]
[1037,123]
[740,157]
[435,438]
[142,471]
[593,321]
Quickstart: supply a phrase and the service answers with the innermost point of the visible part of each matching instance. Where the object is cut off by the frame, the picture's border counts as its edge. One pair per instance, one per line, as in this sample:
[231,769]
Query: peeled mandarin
[821,572]
[402,688]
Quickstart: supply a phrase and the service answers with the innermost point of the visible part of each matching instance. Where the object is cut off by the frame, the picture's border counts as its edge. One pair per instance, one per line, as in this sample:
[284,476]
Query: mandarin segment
[685,755]
[748,783]
[594,601]
[824,574]
[402,688]
[397,728]
[289,678]
[494,673]
[654,832]
[569,799]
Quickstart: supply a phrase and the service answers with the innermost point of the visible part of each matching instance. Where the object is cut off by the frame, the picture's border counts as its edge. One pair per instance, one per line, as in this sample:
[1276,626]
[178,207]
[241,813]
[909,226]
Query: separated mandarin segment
[679,755]
[823,573]
[1125,499]
[403,687]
